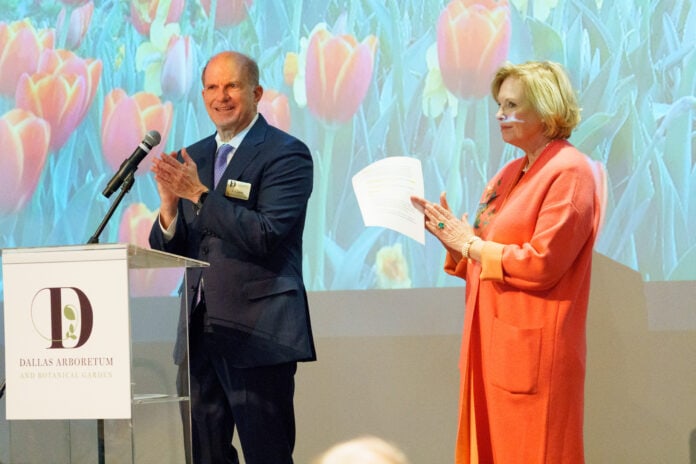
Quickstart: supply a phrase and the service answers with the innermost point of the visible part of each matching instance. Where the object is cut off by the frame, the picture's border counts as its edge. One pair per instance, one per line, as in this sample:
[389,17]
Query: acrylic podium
[90,332]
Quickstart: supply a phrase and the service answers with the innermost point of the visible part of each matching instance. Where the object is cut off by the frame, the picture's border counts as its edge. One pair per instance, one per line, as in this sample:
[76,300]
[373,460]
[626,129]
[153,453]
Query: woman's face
[520,125]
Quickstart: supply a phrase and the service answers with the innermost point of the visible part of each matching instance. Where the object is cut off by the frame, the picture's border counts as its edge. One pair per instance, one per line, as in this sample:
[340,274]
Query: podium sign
[67,343]
[66,335]
[89,336]
[67,331]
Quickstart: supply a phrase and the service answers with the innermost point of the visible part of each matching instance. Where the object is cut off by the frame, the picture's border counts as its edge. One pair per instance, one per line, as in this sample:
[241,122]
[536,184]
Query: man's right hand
[168,199]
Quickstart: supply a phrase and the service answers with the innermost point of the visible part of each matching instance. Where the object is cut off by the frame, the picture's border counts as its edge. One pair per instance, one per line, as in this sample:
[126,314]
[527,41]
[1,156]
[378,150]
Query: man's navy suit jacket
[254,291]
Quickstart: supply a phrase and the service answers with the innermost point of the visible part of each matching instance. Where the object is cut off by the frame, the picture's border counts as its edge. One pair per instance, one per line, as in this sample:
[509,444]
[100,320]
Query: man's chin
[225,125]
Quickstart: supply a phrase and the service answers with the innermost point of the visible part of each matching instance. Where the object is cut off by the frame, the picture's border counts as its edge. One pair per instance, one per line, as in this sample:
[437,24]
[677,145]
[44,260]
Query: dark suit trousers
[256,401]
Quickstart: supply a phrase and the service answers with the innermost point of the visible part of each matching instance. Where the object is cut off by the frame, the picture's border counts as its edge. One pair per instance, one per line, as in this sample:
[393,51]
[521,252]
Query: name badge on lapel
[237,189]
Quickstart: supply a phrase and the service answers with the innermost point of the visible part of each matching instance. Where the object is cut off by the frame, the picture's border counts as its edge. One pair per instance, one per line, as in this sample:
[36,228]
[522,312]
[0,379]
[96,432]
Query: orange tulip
[229,12]
[67,62]
[78,24]
[391,267]
[20,47]
[24,139]
[60,92]
[143,12]
[473,40]
[290,67]
[135,228]
[126,120]
[57,98]
[275,108]
[338,74]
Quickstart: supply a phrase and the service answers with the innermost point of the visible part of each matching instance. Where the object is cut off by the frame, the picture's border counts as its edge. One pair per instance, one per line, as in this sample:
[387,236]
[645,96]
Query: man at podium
[238,200]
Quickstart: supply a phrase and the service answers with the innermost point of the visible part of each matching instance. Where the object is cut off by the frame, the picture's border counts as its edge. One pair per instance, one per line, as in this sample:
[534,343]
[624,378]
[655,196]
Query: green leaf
[593,130]
[69,312]
[547,42]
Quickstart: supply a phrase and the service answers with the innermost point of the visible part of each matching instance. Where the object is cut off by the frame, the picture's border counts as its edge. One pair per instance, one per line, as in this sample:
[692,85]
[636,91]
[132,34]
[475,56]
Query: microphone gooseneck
[130,165]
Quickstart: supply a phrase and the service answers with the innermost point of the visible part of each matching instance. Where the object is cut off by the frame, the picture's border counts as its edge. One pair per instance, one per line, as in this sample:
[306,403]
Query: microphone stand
[125,188]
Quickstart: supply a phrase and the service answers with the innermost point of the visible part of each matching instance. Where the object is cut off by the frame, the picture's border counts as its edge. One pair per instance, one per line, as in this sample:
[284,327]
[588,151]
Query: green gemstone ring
[440,225]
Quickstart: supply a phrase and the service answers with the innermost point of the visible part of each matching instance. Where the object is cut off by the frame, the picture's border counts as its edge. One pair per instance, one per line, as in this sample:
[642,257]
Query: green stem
[455,160]
[322,177]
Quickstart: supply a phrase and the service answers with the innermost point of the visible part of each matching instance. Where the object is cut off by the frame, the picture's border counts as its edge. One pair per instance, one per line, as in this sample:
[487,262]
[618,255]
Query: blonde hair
[549,91]
[363,450]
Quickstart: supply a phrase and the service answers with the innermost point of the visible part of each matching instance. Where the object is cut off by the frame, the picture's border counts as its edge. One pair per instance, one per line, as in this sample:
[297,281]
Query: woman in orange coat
[526,261]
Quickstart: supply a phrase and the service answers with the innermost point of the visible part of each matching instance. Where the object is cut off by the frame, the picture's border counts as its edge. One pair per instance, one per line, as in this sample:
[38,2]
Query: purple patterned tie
[221,161]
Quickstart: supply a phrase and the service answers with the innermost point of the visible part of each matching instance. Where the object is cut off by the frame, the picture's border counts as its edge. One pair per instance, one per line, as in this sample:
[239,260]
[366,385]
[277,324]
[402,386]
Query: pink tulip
[177,68]
[229,12]
[126,120]
[78,25]
[473,39]
[24,139]
[20,47]
[275,108]
[338,74]
[135,228]
[143,12]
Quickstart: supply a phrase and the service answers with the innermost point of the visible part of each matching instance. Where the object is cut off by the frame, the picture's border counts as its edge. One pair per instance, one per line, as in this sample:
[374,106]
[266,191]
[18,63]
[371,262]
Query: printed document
[384,190]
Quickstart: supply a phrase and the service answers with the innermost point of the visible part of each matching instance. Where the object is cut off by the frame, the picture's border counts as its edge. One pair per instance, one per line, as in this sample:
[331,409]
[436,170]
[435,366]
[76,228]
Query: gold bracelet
[467,245]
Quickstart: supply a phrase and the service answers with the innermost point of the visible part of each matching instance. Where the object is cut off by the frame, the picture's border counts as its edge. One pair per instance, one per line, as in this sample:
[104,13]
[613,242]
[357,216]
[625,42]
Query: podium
[90,333]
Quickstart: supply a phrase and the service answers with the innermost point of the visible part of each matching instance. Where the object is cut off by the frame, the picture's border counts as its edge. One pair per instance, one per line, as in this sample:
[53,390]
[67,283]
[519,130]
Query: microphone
[130,165]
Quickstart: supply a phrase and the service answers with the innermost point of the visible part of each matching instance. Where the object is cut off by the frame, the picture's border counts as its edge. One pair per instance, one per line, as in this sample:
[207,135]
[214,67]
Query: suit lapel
[247,150]
[205,159]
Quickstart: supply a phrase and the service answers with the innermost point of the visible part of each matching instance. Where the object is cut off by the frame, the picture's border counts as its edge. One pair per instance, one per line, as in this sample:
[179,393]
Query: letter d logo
[69,315]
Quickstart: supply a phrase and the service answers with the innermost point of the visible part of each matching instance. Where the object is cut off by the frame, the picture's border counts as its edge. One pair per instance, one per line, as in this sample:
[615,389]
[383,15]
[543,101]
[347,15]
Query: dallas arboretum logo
[68,326]
[63,316]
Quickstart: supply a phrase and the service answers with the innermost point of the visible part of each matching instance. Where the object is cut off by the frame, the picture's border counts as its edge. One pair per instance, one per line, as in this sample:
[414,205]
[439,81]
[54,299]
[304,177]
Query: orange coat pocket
[514,357]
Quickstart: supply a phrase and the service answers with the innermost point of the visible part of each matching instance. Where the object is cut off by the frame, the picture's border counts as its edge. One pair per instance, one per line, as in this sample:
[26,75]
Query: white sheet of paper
[384,190]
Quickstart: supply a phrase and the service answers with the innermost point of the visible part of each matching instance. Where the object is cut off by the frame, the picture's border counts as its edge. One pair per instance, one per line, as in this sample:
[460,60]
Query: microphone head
[152,138]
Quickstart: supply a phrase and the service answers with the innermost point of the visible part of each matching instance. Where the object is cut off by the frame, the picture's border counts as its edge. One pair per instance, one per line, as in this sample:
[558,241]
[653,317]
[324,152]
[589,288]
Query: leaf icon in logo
[69,312]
